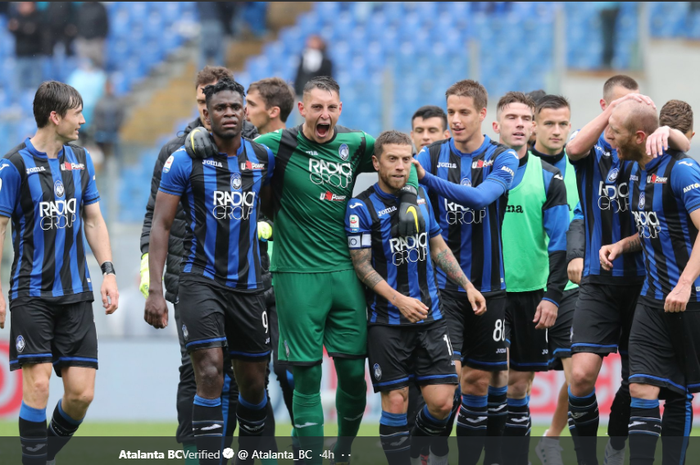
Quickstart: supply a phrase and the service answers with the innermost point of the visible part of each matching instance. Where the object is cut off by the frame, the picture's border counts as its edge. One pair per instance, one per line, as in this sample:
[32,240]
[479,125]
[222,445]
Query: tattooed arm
[445,259]
[608,253]
[413,309]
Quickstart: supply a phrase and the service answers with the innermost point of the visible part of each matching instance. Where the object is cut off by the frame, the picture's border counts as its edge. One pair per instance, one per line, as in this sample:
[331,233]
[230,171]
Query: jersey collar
[384,195]
[551,159]
[33,150]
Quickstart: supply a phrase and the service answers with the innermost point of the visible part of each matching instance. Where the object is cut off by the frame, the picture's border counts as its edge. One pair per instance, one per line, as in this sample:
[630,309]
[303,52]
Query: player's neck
[521,151]
[47,142]
[472,144]
[272,126]
[644,160]
[546,150]
[228,146]
[387,189]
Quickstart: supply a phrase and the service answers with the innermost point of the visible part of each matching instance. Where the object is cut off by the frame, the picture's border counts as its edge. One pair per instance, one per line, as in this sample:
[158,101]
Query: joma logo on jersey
[411,249]
[615,198]
[214,163]
[451,166]
[386,211]
[654,179]
[481,164]
[36,169]
[514,209]
[647,224]
[57,214]
[323,172]
[459,214]
[233,205]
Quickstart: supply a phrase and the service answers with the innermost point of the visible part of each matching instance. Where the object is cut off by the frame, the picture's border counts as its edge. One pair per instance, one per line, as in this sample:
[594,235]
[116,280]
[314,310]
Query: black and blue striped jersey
[664,194]
[603,187]
[44,198]
[404,263]
[469,196]
[221,199]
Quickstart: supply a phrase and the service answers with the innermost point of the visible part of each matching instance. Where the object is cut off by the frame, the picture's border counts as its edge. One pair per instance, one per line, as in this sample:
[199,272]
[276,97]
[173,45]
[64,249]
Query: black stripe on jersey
[670,211]
[84,181]
[287,145]
[223,254]
[25,200]
[423,269]
[627,226]
[69,188]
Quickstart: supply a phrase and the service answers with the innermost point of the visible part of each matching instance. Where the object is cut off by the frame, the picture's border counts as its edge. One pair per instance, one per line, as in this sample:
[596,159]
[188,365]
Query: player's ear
[603,104]
[54,118]
[446,134]
[375,162]
[340,108]
[205,113]
[274,112]
[482,114]
[302,110]
[496,127]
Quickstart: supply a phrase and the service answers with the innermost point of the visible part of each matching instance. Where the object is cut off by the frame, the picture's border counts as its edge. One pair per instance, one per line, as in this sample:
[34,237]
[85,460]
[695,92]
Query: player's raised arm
[445,259]
[494,186]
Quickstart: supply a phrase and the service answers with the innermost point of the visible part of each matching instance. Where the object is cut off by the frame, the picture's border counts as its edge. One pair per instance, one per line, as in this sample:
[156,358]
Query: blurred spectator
[107,120]
[211,39]
[608,12]
[314,62]
[93,27]
[26,25]
[61,27]
[89,80]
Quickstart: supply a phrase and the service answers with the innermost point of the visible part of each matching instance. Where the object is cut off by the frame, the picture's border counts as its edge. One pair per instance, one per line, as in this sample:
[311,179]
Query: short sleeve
[176,171]
[91,194]
[504,167]
[358,225]
[685,182]
[10,183]
[423,158]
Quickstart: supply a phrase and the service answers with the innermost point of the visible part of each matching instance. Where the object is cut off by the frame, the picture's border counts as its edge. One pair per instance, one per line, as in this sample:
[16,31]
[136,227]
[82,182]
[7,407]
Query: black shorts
[479,341]
[560,334]
[603,318]
[529,348]
[400,354]
[664,349]
[216,317]
[43,332]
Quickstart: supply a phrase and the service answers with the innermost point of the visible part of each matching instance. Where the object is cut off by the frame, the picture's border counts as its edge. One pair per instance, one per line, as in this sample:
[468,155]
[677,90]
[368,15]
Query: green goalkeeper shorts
[317,309]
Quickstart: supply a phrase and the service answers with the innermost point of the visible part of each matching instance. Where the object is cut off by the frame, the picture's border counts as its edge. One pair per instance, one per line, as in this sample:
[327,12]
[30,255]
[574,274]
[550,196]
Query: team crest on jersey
[377,372]
[466,182]
[185,333]
[642,201]
[344,151]
[612,176]
[20,344]
[58,188]
[236,181]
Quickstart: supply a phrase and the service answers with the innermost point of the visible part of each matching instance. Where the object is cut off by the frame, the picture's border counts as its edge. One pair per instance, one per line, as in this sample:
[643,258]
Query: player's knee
[37,389]
[518,389]
[80,398]
[582,380]
[442,407]
[209,377]
[643,391]
[395,401]
[475,382]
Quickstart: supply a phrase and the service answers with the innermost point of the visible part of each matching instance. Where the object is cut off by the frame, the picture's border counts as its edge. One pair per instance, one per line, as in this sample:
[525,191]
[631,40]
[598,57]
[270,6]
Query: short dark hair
[536,95]
[552,102]
[390,137]
[618,80]
[210,74]
[514,97]
[470,88]
[677,114]
[431,111]
[322,82]
[54,96]
[223,85]
[275,92]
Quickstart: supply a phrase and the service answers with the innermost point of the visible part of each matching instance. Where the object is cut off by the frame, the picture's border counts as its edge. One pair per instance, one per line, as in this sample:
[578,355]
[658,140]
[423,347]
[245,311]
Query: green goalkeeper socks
[350,402]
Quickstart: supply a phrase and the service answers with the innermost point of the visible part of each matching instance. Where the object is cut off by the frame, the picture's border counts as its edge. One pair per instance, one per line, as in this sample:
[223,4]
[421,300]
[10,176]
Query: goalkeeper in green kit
[320,301]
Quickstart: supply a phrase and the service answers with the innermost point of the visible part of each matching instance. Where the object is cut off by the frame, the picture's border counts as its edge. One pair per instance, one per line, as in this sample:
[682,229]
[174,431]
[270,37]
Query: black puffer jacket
[178,230]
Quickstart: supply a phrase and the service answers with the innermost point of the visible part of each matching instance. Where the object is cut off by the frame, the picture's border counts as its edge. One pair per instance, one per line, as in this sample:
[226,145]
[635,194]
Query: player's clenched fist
[477,300]
[608,253]
[677,300]
[156,312]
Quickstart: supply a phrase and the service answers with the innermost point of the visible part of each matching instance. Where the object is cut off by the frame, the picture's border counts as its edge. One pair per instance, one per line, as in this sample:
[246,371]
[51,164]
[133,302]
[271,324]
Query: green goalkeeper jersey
[312,185]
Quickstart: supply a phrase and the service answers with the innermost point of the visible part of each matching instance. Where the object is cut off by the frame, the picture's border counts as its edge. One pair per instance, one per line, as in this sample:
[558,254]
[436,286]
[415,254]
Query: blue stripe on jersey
[34,184]
[254,249]
[210,230]
[60,239]
[189,195]
[78,193]
[19,254]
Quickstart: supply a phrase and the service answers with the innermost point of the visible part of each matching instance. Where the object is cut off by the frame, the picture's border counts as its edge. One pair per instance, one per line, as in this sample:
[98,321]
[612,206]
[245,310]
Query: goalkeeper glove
[411,220]
[264,231]
[145,278]
[199,144]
